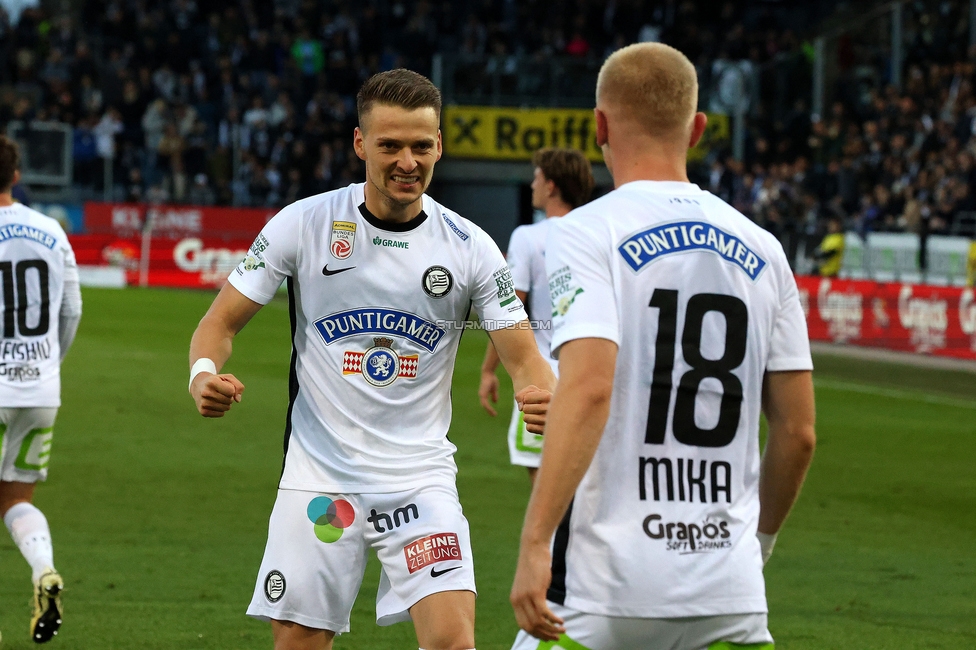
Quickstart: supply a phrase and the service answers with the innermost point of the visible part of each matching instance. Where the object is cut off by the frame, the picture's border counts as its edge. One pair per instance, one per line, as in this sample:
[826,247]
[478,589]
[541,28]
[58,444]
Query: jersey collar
[390,226]
[669,187]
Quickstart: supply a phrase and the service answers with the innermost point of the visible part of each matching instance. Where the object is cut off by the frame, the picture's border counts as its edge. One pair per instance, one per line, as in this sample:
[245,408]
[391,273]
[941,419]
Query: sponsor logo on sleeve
[439,547]
[562,291]
[457,231]
[343,239]
[506,286]
[274,586]
[646,246]
[378,320]
[259,246]
[437,282]
[380,365]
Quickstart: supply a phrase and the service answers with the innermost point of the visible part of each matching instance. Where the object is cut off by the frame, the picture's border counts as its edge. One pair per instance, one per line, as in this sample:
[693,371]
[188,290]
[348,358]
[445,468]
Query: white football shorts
[524,448]
[594,632]
[25,443]
[318,545]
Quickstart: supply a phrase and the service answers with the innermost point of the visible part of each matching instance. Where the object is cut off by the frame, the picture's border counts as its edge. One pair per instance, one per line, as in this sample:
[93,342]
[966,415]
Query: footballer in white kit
[562,180]
[658,547]
[377,307]
[41,310]
[377,317]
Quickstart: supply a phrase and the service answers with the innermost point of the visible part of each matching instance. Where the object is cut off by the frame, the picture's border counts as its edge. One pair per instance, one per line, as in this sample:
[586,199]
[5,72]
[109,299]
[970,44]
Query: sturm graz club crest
[274,586]
[437,282]
[380,365]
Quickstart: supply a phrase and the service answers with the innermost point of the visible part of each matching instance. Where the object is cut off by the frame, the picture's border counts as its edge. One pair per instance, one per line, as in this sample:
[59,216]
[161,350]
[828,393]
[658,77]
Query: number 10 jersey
[701,302]
[35,259]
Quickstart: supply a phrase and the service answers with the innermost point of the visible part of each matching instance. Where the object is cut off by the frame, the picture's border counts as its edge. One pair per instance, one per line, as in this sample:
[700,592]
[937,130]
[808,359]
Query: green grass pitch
[159,517]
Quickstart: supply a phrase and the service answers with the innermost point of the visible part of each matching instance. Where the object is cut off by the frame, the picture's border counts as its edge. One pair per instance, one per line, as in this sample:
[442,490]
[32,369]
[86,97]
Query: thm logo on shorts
[274,586]
[439,547]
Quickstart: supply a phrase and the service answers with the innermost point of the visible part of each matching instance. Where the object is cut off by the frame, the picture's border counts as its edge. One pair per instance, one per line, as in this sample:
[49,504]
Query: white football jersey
[35,260]
[701,302]
[377,312]
[526,258]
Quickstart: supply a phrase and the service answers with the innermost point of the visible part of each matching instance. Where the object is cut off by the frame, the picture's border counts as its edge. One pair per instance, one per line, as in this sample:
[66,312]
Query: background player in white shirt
[562,180]
[41,310]
[677,321]
[379,277]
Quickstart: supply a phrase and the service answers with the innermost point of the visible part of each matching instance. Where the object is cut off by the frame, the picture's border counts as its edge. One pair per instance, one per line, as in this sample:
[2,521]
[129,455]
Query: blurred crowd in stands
[252,102]
[880,159]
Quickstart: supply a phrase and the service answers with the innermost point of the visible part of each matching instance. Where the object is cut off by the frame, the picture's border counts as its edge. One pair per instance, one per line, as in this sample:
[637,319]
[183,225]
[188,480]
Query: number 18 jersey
[701,303]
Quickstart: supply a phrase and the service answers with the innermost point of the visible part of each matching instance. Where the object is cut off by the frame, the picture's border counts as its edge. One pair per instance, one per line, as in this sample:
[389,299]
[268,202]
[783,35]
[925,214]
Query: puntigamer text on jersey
[20,231]
[380,321]
[642,248]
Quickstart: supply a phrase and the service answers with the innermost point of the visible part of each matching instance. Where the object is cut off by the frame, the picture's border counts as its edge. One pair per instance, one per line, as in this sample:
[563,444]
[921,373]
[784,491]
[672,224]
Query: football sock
[29,530]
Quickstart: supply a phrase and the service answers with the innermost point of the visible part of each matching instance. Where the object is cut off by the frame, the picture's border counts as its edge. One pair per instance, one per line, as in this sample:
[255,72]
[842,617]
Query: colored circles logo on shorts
[274,586]
[330,517]
[437,282]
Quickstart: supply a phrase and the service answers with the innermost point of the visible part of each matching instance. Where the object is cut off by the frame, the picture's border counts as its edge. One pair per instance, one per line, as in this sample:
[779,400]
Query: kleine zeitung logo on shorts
[439,547]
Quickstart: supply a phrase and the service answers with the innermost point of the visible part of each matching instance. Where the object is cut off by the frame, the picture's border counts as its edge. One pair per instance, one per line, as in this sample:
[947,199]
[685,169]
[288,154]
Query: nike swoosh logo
[326,271]
[434,573]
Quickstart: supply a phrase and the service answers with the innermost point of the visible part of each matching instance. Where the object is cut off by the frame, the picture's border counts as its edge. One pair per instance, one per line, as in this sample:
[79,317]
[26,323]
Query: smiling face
[400,147]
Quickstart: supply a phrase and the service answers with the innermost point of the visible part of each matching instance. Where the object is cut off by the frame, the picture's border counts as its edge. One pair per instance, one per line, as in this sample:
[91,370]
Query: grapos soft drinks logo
[330,517]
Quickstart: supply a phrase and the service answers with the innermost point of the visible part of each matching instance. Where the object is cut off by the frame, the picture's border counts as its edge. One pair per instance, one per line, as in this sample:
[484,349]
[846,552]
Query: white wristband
[202,365]
[766,543]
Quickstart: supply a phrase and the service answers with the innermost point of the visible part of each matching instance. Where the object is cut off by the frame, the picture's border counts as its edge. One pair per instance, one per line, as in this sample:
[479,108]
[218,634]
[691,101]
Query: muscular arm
[488,387]
[789,407]
[213,339]
[519,354]
[577,415]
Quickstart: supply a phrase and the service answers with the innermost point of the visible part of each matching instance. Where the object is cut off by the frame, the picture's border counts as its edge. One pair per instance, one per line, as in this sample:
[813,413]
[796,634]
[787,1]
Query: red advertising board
[182,246]
[908,317]
[175,221]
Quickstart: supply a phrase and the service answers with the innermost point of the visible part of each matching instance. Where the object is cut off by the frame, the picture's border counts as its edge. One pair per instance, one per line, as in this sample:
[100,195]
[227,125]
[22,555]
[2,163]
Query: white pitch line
[894,393]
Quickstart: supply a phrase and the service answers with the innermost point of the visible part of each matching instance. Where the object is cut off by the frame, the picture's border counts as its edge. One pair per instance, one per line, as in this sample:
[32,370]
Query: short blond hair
[652,84]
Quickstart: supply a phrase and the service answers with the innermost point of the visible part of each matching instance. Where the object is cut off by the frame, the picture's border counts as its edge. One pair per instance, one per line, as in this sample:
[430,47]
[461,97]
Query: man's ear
[359,143]
[440,145]
[602,128]
[697,129]
[16,177]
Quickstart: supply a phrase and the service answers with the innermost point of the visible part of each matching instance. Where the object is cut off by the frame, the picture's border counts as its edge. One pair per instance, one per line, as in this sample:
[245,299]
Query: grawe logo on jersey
[843,312]
[378,320]
[439,547]
[710,534]
[652,244]
[927,319]
[380,365]
[967,315]
[343,239]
